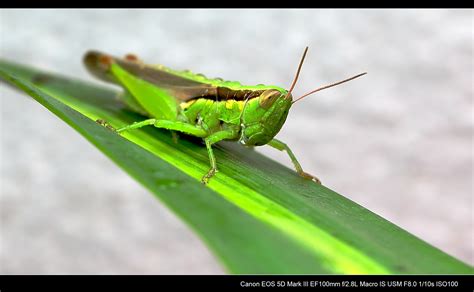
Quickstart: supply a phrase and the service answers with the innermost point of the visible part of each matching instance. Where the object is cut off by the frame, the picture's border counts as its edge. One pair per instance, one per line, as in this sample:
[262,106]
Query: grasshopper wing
[180,87]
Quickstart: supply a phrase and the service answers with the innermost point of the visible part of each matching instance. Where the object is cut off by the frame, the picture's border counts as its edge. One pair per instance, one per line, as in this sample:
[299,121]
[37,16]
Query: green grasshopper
[212,109]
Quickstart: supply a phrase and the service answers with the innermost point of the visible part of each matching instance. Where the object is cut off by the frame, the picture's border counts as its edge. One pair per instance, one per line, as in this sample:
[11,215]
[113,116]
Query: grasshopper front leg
[214,138]
[277,144]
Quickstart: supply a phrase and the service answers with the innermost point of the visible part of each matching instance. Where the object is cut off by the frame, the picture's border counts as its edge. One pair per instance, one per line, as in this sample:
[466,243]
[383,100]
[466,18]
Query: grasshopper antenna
[327,86]
[297,73]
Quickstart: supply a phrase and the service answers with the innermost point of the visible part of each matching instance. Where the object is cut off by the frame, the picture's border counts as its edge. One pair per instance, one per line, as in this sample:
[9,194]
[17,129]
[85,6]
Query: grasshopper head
[264,116]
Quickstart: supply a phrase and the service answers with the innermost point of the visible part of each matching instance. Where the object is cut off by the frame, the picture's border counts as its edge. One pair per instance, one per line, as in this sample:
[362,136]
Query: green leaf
[256,215]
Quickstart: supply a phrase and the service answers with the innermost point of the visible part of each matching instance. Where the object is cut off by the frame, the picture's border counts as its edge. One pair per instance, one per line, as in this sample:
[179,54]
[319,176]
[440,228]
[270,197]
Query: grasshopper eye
[268,97]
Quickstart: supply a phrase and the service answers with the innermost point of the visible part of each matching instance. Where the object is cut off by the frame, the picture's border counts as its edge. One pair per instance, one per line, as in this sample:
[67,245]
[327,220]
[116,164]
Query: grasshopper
[212,109]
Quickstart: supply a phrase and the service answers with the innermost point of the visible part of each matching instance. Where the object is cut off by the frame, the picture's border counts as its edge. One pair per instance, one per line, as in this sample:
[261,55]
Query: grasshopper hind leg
[137,125]
[192,130]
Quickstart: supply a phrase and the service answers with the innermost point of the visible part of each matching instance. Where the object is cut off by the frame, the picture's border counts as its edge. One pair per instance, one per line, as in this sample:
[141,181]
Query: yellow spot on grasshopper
[241,105]
[185,105]
[229,104]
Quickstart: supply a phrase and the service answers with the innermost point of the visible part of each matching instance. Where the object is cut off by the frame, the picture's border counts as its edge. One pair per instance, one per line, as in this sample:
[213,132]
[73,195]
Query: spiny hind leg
[137,125]
[190,130]
[169,125]
[277,144]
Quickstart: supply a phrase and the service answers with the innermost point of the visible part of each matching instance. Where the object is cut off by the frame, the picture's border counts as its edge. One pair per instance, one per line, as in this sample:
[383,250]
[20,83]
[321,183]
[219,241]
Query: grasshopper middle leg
[211,139]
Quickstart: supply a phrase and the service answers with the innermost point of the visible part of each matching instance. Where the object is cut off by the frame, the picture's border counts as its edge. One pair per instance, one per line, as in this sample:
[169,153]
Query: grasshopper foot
[309,176]
[211,173]
[105,124]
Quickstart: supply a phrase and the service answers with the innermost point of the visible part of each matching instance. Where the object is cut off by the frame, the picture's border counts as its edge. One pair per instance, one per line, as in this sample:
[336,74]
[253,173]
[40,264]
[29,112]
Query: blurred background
[398,141]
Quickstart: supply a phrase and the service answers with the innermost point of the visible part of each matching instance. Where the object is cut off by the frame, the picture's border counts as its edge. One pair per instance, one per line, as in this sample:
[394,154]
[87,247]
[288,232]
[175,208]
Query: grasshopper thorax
[263,117]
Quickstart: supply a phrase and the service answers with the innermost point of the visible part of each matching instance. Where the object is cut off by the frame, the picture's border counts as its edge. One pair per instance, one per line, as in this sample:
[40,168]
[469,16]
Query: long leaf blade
[256,215]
